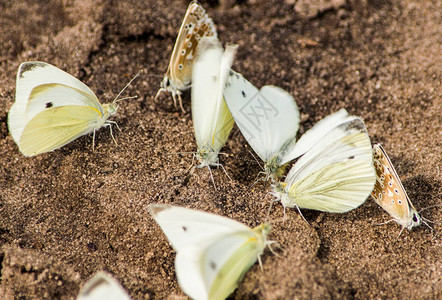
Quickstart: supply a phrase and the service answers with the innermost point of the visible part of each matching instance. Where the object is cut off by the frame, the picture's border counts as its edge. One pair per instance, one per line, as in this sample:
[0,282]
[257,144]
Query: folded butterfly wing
[336,174]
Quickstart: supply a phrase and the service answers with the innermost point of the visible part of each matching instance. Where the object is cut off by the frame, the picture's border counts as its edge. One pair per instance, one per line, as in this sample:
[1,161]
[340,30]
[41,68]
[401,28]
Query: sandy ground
[67,214]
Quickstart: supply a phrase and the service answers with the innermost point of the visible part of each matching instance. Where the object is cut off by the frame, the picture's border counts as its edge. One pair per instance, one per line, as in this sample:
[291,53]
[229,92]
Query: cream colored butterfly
[52,108]
[268,118]
[196,25]
[212,252]
[390,194]
[102,286]
[336,173]
[211,118]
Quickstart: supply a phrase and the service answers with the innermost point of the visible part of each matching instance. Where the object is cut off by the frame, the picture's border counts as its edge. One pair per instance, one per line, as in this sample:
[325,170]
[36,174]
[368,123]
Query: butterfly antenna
[115,100]
[428,208]
[259,164]
[428,220]
[428,225]
[177,153]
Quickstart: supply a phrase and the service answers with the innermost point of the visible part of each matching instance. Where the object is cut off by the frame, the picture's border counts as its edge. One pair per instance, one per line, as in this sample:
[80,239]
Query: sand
[67,214]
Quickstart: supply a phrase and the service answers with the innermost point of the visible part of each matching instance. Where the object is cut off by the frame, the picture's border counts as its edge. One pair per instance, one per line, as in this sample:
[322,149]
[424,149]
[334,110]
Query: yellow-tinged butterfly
[102,286]
[52,108]
[390,194]
[196,25]
[211,118]
[212,252]
[336,173]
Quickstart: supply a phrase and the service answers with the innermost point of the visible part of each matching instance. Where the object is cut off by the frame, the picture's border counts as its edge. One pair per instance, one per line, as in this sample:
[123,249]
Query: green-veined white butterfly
[211,118]
[52,108]
[268,119]
[390,194]
[336,173]
[212,252]
[196,25]
[102,286]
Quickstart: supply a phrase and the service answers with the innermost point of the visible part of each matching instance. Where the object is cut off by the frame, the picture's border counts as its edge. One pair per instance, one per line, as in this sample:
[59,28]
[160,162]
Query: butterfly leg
[211,177]
[111,133]
[93,141]
[115,123]
[270,243]
[159,93]
[299,210]
[222,167]
[181,101]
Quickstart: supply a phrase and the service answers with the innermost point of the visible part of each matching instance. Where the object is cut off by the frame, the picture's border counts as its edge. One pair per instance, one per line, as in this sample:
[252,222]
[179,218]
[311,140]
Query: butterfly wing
[389,192]
[34,74]
[213,252]
[336,174]
[268,119]
[219,266]
[212,120]
[196,25]
[186,227]
[102,286]
[315,134]
[56,127]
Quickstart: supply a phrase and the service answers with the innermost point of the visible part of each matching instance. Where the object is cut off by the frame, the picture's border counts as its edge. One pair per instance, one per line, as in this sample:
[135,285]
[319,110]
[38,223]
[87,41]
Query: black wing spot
[352,157]
[243,94]
[184,228]
[49,104]
[212,265]
[415,218]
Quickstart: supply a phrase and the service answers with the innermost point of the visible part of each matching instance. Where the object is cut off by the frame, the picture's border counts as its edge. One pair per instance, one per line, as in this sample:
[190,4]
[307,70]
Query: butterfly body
[196,25]
[336,174]
[52,108]
[213,252]
[389,192]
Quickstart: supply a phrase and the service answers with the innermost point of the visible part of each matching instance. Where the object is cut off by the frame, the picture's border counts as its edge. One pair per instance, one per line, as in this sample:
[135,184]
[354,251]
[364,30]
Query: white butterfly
[102,286]
[211,118]
[52,108]
[336,173]
[268,119]
[196,25]
[212,252]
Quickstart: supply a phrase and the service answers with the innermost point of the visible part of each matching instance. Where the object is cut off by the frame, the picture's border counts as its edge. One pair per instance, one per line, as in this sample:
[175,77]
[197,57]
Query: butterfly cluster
[336,168]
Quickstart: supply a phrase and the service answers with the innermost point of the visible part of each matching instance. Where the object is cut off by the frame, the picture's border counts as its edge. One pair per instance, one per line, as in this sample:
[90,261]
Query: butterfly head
[262,231]
[166,83]
[280,193]
[413,220]
[110,109]
[206,157]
